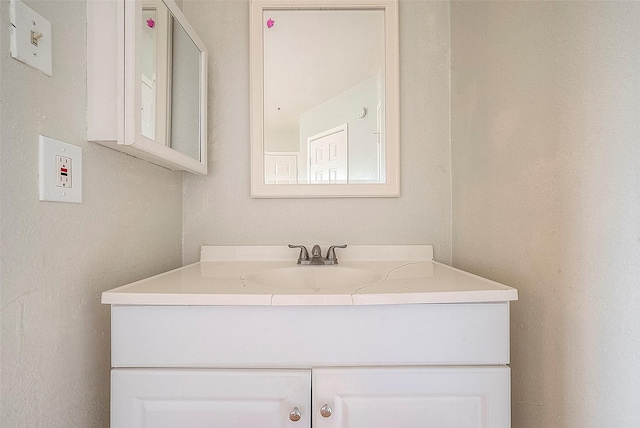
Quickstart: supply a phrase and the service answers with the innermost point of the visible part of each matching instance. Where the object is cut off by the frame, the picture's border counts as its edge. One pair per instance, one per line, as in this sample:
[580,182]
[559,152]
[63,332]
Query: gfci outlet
[63,171]
[60,173]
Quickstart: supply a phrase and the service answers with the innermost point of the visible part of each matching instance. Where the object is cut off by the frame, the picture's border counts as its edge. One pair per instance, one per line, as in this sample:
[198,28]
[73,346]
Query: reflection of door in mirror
[281,168]
[156,25]
[329,157]
[382,155]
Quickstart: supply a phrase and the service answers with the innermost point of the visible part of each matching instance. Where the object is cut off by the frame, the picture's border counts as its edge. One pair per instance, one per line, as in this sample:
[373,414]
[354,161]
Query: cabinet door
[180,398]
[442,397]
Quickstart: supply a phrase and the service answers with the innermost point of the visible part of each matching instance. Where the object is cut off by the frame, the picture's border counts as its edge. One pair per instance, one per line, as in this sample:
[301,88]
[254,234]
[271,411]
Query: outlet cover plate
[51,189]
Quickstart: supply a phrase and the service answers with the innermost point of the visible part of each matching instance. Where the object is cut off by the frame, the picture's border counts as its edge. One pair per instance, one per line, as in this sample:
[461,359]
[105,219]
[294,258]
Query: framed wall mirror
[147,83]
[324,98]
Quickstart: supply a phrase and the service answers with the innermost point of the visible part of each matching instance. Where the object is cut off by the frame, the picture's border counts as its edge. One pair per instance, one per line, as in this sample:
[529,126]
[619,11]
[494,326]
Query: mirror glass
[325,82]
[169,62]
[323,96]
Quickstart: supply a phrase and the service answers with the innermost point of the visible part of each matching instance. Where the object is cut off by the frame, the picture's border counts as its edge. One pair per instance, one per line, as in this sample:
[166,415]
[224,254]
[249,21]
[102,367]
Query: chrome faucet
[316,255]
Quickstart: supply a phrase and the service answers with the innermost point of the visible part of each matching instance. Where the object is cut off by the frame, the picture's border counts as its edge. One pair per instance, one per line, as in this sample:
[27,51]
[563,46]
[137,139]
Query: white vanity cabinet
[378,397]
[202,346]
[192,398]
[410,397]
[371,365]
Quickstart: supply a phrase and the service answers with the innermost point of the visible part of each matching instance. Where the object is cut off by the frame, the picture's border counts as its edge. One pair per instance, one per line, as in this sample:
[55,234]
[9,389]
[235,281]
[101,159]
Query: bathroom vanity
[247,338]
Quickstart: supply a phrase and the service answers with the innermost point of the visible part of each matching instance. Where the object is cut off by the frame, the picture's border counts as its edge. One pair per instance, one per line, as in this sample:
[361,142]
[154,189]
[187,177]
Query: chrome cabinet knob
[295,415]
[325,411]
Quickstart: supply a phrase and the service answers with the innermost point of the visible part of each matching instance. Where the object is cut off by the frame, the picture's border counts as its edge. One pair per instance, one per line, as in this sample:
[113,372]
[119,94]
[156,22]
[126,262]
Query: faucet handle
[331,253]
[304,254]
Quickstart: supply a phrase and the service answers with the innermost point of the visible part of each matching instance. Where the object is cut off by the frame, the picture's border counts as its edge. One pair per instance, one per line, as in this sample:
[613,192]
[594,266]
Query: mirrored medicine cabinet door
[324,98]
[150,54]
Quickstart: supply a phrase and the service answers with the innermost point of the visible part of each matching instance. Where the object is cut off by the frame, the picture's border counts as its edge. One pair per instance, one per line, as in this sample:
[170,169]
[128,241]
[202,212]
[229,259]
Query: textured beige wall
[546,196]
[56,259]
[218,209]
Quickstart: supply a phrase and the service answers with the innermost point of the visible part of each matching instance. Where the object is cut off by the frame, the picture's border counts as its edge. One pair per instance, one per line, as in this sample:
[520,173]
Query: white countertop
[404,274]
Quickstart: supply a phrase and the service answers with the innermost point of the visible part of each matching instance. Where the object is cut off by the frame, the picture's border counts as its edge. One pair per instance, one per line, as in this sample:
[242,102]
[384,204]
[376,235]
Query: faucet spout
[316,256]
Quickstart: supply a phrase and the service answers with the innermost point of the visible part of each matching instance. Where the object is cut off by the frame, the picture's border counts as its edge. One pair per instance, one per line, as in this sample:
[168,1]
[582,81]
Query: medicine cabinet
[147,83]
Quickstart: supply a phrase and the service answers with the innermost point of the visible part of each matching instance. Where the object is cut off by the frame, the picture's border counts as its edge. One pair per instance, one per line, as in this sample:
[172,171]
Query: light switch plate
[60,173]
[30,37]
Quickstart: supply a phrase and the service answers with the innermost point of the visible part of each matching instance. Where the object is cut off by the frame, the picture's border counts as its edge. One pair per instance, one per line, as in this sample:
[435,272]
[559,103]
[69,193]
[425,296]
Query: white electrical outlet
[60,173]
[63,171]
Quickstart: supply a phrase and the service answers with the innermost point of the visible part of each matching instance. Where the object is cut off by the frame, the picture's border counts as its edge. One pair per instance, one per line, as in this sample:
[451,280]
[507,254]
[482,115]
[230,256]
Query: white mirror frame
[391,188]
[114,85]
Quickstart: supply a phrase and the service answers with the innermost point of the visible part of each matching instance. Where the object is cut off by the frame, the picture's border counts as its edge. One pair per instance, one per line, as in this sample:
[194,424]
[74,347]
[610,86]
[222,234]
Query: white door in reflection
[328,156]
[148,107]
[281,168]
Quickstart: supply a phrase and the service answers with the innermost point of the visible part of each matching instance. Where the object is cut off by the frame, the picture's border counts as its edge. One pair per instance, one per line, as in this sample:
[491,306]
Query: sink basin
[314,277]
